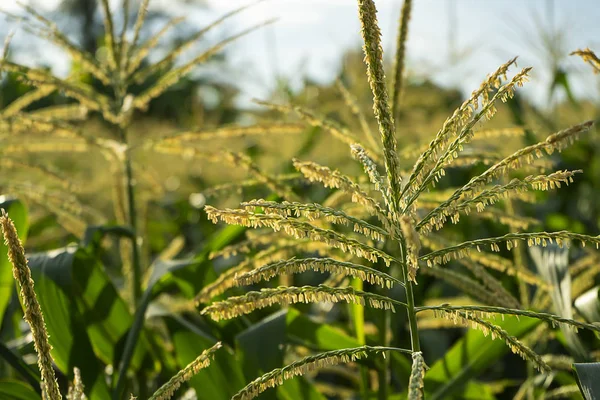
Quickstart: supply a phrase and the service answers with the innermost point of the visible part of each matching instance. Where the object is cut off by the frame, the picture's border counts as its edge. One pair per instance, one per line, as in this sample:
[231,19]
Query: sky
[454,42]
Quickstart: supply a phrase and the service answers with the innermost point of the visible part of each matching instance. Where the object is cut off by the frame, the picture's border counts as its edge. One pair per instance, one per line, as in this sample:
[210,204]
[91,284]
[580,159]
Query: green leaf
[262,348]
[18,213]
[222,379]
[66,328]
[188,275]
[587,378]
[15,390]
[471,356]
[262,345]
[102,311]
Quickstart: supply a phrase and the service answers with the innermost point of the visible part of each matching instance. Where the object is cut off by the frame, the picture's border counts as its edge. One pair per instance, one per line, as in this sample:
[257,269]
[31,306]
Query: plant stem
[136,286]
[410,303]
[383,375]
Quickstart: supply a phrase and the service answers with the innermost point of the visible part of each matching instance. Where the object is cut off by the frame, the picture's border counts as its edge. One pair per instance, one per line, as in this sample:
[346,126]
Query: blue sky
[310,36]
[454,42]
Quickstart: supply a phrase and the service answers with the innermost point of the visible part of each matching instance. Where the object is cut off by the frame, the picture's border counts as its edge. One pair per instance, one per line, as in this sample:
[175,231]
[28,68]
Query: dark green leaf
[15,390]
[587,378]
[469,357]
[18,213]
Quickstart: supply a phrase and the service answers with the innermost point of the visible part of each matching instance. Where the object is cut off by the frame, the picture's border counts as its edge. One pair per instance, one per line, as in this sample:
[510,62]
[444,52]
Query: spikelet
[494,287]
[451,127]
[109,35]
[563,392]
[140,52]
[62,112]
[491,312]
[263,238]
[413,246]
[168,79]
[527,155]
[336,180]
[487,260]
[139,22]
[225,189]
[487,134]
[381,109]
[76,388]
[562,238]
[352,104]
[167,390]
[240,305]
[226,279]
[466,134]
[417,373]
[228,132]
[299,230]
[311,363]
[323,265]
[25,100]
[496,332]
[466,285]
[184,45]
[52,33]
[42,170]
[316,211]
[490,196]
[398,78]
[590,57]
[333,128]
[241,160]
[370,168]
[32,310]
[83,93]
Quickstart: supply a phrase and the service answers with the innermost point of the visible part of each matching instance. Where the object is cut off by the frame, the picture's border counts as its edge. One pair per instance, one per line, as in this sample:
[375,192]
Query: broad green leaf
[471,356]
[68,336]
[262,348]
[186,274]
[222,379]
[18,213]
[326,337]
[15,390]
[587,378]
[27,372]
[102,311]
[262,345]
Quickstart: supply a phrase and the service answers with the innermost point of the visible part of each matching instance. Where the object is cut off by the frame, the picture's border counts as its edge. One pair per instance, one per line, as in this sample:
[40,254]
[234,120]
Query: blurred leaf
[262,348]
[587,378]
[183,273]
[18,213]
[19,365]
[262,345]
[222,379]
[471,356]
[588,305]
[326,337]
[15,390]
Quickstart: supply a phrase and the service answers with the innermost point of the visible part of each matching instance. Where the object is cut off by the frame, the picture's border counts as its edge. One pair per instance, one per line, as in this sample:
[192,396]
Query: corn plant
[389,224]
[123,82]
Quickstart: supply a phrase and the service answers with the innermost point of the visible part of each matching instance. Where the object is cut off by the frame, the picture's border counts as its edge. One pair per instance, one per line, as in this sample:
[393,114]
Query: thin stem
[410,303]
[383,375]
[136,287]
